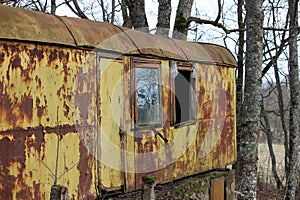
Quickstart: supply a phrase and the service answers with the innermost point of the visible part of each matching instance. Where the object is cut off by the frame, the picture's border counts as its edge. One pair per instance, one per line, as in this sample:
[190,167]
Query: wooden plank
[217,188]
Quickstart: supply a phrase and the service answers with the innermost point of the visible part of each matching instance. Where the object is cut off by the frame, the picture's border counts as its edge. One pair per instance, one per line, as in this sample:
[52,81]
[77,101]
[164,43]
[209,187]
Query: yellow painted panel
[39,171]
[68,159]
[216,91]
[37,79]
[111,101]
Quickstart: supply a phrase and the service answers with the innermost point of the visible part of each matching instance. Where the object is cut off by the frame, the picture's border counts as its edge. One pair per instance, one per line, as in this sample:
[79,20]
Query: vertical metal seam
[69,30]
[178,46]
[97,153]
[136,46]
[124,131]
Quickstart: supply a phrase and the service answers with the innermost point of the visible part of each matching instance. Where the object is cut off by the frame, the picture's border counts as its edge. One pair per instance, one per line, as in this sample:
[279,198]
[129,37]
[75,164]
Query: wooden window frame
[151,64]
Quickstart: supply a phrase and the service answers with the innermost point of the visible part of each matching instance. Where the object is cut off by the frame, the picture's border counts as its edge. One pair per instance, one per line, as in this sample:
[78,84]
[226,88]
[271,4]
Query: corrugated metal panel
[99,35]
[223,53]
[20,24]
[170,48]
[195,51]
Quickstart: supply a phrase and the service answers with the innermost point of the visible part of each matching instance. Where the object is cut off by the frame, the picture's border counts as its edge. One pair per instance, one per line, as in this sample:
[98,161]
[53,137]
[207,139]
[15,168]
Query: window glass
[147,96]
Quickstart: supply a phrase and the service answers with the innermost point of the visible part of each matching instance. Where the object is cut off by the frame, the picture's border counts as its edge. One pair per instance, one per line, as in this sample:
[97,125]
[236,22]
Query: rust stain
[36,140]
[37,192]
[52,56]
[36,53]
[8,105]
[39,107]
[16,156]
[85,169]
[1,58]
[16,62]
[26,107]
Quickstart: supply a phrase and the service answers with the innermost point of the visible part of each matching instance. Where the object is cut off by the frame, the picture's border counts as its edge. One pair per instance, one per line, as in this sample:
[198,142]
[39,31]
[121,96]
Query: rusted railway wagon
[94,106]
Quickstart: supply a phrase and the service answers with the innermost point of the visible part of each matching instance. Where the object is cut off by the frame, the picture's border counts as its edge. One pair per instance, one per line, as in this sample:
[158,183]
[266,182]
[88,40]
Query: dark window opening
[183,96]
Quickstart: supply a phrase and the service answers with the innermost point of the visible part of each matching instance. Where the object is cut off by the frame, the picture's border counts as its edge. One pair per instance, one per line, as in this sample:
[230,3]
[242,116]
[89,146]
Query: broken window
[183,97]
[147,94]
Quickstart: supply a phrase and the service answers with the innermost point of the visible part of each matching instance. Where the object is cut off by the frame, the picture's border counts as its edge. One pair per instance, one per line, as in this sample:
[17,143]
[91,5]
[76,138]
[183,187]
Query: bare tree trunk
[294,105]
[278,83]
[138,15]
[240,75]
[53,7]
[282,117]
[104,18]
[113,11]
[126,19]
[240,57]
[248,141]
[182,14]
[268,132]
[164,15]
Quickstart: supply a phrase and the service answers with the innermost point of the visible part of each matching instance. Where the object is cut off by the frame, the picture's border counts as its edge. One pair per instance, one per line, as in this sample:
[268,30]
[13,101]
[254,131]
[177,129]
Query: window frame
[150,64]
[183,66]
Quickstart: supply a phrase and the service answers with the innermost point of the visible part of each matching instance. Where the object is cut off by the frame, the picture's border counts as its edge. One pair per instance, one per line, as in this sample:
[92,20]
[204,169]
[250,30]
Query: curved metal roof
[33,26]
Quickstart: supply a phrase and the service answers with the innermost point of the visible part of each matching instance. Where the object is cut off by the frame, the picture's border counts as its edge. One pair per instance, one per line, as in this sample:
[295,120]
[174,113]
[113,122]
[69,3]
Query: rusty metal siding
[32,88]
[35,80]
[206,144]
[42,90]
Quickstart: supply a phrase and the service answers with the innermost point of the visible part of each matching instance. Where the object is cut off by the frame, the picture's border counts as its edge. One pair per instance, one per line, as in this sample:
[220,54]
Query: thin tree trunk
[278,85]
[248,141]
[53,7]
[270,146]
[240,75]
[282,117]
[240,57]
[126,19]
[182,14]
[103,11]
[137,14]
[294,105]
[113,11]
[164,15]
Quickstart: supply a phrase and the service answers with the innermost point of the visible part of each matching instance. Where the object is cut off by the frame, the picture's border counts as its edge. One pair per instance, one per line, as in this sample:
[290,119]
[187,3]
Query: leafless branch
[214,23]
[77,10]
[219,11]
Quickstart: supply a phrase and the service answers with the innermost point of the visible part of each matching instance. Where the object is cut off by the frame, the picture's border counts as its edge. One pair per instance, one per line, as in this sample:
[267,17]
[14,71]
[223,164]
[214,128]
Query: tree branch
[219,11]
[77,9]
[214,23]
